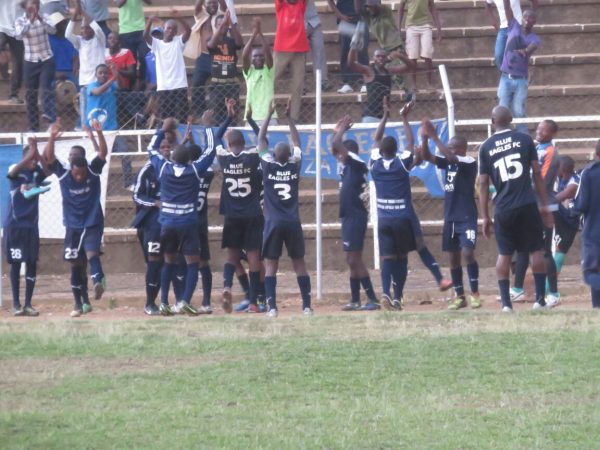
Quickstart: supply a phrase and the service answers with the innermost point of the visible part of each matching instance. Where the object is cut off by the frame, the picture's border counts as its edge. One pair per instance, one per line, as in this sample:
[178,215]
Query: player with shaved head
[508,159]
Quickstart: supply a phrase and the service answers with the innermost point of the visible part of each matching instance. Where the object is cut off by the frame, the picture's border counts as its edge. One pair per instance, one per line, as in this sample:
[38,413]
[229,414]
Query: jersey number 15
[510,167]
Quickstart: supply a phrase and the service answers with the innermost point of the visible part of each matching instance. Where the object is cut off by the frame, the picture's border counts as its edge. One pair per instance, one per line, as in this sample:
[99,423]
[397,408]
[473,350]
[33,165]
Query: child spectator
[101,100]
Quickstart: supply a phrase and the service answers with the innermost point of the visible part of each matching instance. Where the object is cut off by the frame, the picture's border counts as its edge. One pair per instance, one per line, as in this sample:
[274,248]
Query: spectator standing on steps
[171,77]
[223,46]
[346,15]
[97,10]
[290,48]
[420,17]
[314,33]
[500,23]
[258,71]
[90,45]
[521,43]
[205,14]
[131,30]
[33,29]
[9,11]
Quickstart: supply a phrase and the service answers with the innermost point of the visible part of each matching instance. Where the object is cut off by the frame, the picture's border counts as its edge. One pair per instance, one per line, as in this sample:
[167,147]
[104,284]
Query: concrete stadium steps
[453,13]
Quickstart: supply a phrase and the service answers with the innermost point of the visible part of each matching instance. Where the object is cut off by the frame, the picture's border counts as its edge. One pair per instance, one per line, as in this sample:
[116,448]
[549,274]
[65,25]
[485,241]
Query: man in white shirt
[9,11]
[500,23]
[91,46]
[171,77]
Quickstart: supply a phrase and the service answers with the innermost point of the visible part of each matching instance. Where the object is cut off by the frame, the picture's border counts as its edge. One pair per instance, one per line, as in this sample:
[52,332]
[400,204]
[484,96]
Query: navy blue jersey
[506,158]
[23,212]
[145,194]
[587,204]
[242,183]
[392,184]
[459,186]
[354,174]
[281,187]
[565,209]
[179,183]
[80,201]
[204,185]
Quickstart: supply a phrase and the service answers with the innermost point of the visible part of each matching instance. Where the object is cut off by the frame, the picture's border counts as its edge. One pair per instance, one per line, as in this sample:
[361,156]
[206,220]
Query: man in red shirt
[290,48]
[121,62]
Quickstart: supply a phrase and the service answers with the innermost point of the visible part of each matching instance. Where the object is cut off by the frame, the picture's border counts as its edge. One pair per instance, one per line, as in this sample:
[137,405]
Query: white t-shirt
[9,11]
[91,53]
[516,7]
[170,66]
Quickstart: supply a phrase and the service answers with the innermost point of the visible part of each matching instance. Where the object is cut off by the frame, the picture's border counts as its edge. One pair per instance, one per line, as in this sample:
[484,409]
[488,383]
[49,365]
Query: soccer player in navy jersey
[353,212]
[179,186]
[146,196]
[391,175]
[21,232]
[281,177]
[82,212]
[566,220]
[508,159]
[459,236]
[590,236]
[243,218]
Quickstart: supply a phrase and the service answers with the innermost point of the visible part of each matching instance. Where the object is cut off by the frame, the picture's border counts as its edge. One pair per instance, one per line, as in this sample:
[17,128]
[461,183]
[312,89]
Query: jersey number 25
[238,188]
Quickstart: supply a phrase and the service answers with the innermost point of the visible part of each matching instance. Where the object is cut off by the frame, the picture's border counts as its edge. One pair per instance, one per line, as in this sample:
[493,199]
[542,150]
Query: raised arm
[198,7]
[208,155]
[230,105]
[353,64]
[294,135]
[404,112]
[430,132]
[263,144]
[103,87]
[102,147]
[251,121]
[423,150]
[70,33]
[55,132]
[221,31]
[187,30]
[92,138]
[381,128]
[247,52]
[32,154]
[237,36]
[338,148]
[147,30]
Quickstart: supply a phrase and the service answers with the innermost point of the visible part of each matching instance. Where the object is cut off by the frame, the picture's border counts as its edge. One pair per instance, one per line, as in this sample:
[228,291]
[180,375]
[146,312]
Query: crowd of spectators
[70,41]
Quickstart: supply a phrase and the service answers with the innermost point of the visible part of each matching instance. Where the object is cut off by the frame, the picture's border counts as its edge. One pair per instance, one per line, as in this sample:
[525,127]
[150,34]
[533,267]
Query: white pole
[449,99]
[373,213]
[319,219]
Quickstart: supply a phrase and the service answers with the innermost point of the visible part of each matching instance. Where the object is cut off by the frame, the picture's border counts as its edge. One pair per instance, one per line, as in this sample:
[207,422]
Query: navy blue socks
[270,291]
[431,263]
[206,275]
[15,281]
[473,273]
[457,281]
[304,285]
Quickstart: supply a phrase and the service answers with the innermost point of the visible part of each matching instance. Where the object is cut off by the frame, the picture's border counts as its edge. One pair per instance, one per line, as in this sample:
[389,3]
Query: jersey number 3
[283,190]
[509,167]
[238,188]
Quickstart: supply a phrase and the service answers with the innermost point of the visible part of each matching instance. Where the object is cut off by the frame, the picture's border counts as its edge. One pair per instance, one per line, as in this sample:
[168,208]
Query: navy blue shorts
[79,241]
[151,240]
[203,238]
[396,236]
[519,230]
[416,225]
[22,245]
[182,239]
[278,233]
[459,235]
[353,233]
[243,233]
[564,233]
[590,256]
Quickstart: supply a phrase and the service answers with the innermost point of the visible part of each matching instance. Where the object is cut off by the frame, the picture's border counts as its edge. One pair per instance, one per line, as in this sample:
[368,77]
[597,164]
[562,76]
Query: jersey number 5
[509,167]
[238,188]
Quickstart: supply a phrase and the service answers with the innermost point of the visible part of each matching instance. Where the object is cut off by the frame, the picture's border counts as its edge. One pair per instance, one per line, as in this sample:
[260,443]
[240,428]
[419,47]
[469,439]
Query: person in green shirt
[259,74]
[420,15]
[131,31]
